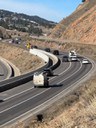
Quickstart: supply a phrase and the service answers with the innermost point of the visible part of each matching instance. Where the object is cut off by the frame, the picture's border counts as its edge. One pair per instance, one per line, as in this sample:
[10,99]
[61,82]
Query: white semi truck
[72,55]
[40,80]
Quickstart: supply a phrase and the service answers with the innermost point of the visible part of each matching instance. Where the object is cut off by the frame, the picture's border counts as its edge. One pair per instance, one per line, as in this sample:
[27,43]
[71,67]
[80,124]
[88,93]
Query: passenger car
[56,52]
[1,100]
[47,49]
[65,59]
[34,46]
[85,61]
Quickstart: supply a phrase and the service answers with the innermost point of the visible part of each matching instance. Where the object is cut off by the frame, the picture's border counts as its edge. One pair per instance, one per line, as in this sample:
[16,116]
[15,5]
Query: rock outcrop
[80,25]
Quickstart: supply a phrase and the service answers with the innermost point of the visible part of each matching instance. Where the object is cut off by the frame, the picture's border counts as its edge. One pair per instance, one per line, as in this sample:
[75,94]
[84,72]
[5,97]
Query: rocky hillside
[80,25]
[24,23]
[7,34]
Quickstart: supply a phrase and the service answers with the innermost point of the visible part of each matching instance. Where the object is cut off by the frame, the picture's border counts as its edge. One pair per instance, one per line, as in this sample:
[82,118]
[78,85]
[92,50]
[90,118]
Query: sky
[53,10]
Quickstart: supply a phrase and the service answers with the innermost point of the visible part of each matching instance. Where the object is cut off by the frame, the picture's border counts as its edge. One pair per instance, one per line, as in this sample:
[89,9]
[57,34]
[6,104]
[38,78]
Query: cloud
[31,9]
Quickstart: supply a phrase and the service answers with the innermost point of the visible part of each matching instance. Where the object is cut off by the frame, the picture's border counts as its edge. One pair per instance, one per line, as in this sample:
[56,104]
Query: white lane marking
[44,104]
[72,73]
[63,71]
[23,101]
[37,94]
[18,93]
[66,69]
[33,87]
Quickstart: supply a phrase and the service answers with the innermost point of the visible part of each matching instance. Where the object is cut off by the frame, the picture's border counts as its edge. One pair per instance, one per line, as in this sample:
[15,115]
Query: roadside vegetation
[76,110]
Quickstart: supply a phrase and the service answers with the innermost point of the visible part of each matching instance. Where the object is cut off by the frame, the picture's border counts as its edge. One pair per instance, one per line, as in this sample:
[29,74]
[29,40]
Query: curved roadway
[4,71]
[29,99]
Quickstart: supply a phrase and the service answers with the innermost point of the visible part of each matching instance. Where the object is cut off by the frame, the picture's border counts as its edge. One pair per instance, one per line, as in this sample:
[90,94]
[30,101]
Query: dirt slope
[20,58]
[80,25]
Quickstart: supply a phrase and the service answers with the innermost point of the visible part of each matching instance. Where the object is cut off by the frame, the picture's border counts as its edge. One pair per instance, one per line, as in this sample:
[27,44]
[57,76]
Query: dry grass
[79,113]
[20,57]
[77,110]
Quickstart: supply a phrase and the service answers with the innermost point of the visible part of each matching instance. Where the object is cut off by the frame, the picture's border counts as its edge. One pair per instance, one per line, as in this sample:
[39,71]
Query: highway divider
[18,80]
[15,70]
[55,59]
[22,79]
[40,54]
[7,66]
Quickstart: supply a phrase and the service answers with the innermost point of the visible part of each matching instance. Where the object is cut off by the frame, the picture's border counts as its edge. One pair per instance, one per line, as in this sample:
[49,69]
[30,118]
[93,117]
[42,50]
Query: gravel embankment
[20,58]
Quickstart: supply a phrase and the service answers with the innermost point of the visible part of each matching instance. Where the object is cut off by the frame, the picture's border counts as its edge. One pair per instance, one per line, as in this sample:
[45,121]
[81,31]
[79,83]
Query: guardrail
[19,80]
[39,54]
[15,70]
[12,69]
[56,60]
[8,67]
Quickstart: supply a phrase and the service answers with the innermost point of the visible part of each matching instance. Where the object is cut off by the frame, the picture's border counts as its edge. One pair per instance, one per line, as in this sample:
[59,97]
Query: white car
[85,61]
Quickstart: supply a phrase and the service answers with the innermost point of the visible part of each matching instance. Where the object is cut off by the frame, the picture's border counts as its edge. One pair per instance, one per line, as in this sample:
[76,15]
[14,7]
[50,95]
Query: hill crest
[80,25]
[25,23]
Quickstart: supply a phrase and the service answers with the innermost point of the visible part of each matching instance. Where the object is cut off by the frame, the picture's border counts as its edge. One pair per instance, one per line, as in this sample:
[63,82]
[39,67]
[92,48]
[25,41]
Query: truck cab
[72,55]
[48,71]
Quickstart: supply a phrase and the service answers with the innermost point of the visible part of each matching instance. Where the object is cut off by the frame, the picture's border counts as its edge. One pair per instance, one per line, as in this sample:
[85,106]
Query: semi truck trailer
[40,80]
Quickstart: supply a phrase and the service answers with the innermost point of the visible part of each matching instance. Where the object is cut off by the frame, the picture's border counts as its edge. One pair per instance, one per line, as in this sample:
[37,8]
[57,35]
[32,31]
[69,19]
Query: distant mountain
[24,23]
[80,25]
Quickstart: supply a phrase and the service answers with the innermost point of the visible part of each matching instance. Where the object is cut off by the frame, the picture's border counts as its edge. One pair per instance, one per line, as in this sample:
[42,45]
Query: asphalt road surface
[23,99]
[3,71]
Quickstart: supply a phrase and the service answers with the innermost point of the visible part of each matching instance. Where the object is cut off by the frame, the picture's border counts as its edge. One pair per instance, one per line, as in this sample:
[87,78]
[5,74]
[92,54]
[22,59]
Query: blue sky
[54,10]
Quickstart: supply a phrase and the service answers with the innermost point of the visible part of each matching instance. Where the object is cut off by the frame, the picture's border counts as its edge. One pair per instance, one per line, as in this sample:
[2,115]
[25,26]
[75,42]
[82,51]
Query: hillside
[80,25]
[24,61]
[7,34]
[25,23]
[78,109]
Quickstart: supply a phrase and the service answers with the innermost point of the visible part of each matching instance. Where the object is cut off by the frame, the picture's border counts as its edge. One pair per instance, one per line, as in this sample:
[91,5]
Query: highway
[5,70]
[21,100]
